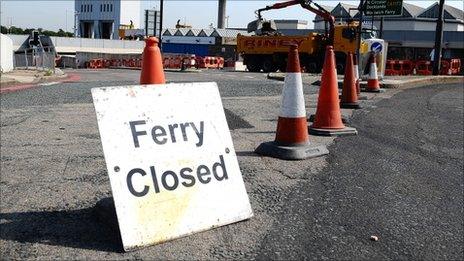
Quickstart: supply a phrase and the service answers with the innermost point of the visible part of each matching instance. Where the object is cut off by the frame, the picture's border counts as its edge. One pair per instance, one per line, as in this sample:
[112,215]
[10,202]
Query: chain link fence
[35,59]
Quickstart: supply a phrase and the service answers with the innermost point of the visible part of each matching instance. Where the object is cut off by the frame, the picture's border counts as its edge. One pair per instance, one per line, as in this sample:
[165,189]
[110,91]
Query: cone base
[345,119]
[300,152]
[374,90]
[360,97]
[347,105]
[347,131]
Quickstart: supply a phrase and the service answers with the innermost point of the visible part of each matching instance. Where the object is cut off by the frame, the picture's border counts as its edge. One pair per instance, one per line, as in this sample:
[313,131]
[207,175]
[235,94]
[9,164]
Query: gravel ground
[383,182]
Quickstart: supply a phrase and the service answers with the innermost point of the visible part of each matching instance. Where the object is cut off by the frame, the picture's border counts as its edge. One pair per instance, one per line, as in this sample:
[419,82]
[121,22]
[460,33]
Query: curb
[395,84]
[17,86]
[426,80]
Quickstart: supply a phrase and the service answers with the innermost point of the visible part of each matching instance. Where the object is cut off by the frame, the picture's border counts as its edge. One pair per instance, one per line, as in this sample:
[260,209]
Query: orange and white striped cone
[356,74]
[292,139]
[349,99]
[358,79]
[373,84]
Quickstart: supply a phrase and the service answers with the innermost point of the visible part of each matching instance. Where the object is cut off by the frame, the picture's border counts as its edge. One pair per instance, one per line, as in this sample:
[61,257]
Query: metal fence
[35,58]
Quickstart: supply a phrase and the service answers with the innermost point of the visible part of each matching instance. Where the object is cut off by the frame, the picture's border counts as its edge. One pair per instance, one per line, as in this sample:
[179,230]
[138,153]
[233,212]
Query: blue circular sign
[376,47]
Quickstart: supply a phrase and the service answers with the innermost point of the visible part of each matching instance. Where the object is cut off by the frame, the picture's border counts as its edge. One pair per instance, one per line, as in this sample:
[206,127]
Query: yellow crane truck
[268,50]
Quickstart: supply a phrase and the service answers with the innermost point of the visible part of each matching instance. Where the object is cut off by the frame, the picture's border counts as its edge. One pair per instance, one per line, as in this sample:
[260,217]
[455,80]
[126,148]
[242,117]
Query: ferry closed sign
[170,159]
[384,7]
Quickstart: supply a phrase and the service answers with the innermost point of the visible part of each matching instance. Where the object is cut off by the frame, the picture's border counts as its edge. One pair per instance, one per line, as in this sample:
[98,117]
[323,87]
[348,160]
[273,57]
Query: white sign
[170,159]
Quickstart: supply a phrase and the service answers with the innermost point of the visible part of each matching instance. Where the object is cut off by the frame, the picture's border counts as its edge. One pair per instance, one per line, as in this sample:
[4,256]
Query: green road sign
[384,7]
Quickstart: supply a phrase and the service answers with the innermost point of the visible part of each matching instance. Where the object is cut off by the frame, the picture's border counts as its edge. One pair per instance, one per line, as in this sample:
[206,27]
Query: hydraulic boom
[308,5]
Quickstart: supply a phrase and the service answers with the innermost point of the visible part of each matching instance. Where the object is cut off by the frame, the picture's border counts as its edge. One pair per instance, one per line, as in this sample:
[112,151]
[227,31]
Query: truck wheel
[340,59]
[253,66]
[268,66]
[311,67]
[283,67]
[340,68]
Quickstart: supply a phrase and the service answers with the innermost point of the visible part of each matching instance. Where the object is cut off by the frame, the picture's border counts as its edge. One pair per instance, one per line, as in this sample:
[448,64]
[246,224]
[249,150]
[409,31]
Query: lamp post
[358,51]
[76,16]
[438,40]
[66,29]
[161,24]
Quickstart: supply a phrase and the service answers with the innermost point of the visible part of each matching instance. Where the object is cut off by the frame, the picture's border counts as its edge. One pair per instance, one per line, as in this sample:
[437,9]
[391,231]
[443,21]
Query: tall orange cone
[349,91]
[328,120]
[292,139]
[373,84]
[152,66]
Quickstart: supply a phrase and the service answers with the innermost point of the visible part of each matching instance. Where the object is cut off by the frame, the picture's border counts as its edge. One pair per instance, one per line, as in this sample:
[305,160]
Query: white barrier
[6,57]
[70,45]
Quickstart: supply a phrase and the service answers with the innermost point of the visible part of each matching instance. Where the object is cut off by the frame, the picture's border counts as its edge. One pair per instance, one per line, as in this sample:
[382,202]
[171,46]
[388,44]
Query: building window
[91,8]
[82,8]
[107,7]
[111,7]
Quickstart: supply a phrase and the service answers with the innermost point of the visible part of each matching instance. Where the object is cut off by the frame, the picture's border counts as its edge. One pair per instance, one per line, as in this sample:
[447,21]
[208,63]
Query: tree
[16,30]
[28,31]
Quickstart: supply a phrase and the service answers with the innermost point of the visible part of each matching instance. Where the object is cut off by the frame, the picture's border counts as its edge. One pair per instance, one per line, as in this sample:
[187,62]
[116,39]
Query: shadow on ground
[68,228]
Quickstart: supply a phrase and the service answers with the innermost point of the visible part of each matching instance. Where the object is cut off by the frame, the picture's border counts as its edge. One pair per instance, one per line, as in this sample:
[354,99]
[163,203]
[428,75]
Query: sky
[56,14]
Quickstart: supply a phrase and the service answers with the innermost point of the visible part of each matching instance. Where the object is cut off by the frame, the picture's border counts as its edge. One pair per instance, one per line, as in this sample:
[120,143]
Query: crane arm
[326,15]
[306,4]
[277,6]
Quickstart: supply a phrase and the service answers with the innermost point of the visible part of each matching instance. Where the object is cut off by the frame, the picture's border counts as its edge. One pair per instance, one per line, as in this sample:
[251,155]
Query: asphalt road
[400,179]
[231,84]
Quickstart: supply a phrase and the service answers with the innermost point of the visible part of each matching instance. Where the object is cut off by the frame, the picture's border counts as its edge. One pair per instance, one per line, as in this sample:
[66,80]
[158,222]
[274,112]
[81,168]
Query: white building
[102,18]
[411,35]
[291,24]
[414,18]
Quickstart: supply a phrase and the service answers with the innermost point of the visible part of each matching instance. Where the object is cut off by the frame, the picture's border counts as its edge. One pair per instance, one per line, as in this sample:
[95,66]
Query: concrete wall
[6,55]
[18,40]
[72,45]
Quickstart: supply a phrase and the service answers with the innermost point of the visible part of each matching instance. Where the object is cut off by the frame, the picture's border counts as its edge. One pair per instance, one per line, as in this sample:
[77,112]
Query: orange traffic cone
[292,139]
[328,120]
[373,80]
[349,91]
[356,74]
[358,79]
[152,66]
